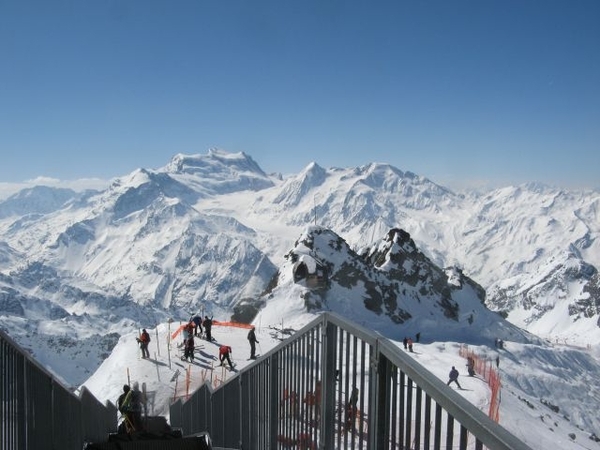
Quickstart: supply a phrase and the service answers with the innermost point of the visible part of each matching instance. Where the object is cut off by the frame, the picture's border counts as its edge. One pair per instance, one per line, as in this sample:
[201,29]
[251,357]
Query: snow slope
[543,385]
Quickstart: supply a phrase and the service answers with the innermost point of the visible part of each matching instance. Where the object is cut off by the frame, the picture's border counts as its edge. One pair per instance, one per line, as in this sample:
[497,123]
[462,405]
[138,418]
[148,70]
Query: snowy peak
[398,255]
[564,290]
[391,283]
[219,172]
[296,189]
[360,203]
[148,188]
[417,191]
[390,178]
[37,200]
[175,238]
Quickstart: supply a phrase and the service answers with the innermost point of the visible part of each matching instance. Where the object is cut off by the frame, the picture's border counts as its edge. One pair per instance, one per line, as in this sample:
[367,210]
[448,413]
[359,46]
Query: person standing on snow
[224,352]
[253,341]
[454,377]
[471,366]
[208,327]
[188,351]
[144,340]
[197,325]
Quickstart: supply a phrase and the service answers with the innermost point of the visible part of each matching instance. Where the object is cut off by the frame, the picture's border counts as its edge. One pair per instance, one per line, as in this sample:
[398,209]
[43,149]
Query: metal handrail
[37,411]
[336,384]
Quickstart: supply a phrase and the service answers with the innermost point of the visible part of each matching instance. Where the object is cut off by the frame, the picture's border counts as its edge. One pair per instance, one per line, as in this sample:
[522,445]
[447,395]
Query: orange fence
[195,376]
[490,374]
[215,323]
[232,324]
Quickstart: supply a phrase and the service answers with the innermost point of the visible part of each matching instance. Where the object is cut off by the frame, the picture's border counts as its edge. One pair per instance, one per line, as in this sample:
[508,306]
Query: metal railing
[335,385]
[38,412]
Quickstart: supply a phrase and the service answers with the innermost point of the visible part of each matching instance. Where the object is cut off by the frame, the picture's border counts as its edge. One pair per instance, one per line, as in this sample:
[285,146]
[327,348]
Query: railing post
[274,400]
[326,424]
[379,390]
[21,408]
[242,381]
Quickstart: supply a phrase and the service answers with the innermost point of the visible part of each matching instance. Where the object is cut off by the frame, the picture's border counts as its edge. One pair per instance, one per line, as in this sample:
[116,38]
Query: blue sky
[459,91]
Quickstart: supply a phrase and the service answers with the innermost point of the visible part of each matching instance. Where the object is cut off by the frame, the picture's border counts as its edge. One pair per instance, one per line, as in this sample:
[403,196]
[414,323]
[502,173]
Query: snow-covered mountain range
[215,234]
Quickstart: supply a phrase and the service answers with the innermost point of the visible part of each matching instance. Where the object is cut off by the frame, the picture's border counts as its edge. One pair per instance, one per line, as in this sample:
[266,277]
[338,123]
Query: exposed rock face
[397,279]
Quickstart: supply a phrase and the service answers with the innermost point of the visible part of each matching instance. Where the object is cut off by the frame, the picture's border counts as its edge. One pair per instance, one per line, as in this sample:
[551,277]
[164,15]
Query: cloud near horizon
[8,189]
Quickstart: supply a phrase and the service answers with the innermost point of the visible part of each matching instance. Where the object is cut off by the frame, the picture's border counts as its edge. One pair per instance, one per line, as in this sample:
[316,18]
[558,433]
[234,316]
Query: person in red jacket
[144,340]
[224,352]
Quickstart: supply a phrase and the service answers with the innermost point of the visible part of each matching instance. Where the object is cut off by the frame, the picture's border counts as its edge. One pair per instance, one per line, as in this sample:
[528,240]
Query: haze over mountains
[214,233]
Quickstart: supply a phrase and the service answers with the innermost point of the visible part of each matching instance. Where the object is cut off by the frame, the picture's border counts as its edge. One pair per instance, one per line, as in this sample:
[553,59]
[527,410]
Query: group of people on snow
[195,328]
[225,350]
[408,344]
[130,401]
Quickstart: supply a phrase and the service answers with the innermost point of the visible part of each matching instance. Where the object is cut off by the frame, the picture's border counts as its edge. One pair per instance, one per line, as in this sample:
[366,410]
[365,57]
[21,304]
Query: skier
[207,327]
[188,331]
[197,325]
[471,366]
[454,377]
[184,335]
[405,343]
[410,345]
[188,353]
[224,352]
[253,341]
[144,340]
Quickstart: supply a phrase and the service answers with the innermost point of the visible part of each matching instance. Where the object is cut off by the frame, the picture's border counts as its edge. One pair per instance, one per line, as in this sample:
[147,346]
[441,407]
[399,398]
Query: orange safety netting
[178,330]
[232,324]
[490,374]
[214,322]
